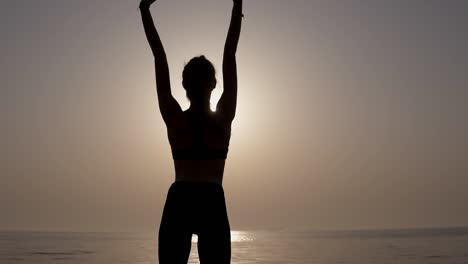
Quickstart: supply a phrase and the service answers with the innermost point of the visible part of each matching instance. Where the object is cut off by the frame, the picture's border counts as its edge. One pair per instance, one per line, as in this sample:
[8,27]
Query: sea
[404,246]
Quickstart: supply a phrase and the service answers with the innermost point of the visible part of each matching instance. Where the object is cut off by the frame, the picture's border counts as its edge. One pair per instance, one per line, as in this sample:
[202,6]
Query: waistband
[196,184]
[196,188]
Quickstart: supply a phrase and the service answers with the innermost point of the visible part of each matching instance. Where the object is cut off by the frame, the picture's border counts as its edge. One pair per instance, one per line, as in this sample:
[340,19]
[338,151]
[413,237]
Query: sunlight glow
[215,96]
[236,236]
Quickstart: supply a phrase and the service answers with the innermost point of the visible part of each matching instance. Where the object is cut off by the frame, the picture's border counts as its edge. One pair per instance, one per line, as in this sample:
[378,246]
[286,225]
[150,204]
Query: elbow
[230,52]
[229,61]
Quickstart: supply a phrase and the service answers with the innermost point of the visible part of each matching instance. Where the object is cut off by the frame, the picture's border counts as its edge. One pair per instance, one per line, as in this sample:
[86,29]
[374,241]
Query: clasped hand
[148,3]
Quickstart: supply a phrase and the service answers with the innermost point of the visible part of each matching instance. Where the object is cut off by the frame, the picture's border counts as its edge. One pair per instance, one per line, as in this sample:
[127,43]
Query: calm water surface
[395,246]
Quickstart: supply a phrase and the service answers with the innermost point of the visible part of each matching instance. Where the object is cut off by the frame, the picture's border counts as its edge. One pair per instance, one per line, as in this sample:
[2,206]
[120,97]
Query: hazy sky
[351,114]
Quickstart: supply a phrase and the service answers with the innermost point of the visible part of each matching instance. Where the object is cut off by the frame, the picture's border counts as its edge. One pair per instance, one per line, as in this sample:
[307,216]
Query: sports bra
[199,149]
[199,154]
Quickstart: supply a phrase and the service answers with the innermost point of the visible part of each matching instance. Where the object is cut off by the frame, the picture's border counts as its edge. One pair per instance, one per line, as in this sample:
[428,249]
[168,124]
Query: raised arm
[167,104]
[228,101]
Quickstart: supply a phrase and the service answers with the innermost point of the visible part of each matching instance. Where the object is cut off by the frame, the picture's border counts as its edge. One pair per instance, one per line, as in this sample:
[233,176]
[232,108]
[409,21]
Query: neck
[203,106]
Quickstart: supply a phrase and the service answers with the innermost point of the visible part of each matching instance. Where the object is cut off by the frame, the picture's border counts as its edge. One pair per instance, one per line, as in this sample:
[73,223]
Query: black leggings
[195,208]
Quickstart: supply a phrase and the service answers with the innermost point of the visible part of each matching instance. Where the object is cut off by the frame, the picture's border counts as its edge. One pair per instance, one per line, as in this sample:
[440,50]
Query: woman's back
[199,142]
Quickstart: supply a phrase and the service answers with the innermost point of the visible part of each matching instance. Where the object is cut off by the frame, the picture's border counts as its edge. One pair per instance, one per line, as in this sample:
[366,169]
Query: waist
[196,186]
[211,171]
[199,154]
[196,197]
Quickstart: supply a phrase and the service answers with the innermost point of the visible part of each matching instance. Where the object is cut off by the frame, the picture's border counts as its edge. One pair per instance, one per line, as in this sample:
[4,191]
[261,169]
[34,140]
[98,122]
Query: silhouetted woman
[199,140]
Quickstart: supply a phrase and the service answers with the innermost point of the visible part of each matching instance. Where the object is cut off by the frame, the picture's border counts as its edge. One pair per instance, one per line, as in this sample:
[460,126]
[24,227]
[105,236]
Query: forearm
[232,40]
[161,65]
[152,34]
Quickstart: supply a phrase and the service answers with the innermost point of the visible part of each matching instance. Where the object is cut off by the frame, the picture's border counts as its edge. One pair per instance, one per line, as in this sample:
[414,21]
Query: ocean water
[411,246]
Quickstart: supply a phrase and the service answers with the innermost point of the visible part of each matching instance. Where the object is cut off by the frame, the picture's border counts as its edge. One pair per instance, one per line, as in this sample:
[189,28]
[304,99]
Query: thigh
[214,247]
[175,236]
[174,246]
[214,236]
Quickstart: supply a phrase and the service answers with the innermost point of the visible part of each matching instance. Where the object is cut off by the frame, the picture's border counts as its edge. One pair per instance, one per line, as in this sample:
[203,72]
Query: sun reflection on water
[236,236]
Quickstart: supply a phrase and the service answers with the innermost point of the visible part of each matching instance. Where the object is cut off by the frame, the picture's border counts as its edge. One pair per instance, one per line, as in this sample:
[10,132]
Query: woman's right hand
[146,3]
